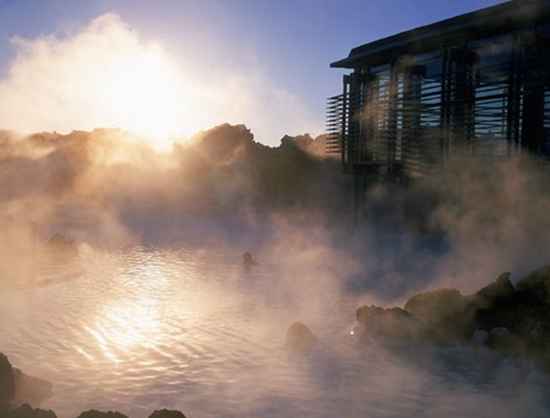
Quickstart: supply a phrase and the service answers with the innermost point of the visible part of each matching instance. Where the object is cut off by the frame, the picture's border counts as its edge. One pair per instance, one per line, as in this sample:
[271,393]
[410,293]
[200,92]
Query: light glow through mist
[107,76]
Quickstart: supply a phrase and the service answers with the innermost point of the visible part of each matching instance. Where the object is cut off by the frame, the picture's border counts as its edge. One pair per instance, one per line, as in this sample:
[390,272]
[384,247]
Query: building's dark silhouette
[477,84]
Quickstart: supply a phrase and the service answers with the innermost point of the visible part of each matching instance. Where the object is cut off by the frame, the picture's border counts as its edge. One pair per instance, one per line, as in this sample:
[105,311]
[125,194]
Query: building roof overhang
[485,22]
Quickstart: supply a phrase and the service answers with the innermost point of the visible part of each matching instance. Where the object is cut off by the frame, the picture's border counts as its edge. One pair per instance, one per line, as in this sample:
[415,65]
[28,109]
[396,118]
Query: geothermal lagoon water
[144,329]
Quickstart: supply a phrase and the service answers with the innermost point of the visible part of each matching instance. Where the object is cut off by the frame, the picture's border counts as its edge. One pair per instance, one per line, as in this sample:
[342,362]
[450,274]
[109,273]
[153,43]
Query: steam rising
[223,192]
[105,188]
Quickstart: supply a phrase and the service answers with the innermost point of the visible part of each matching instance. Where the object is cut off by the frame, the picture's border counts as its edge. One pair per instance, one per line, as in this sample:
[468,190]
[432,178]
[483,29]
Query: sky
[189,64]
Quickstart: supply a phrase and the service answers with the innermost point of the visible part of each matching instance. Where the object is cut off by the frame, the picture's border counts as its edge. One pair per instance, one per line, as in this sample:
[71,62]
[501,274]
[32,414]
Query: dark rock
[30,389]
[436,305]
[16,386]
[480,337]
[94,413]
[447,315]
[299,338]
[167,413]
[501,290]
[495,305]
[7,381]
[26,411]
[394,323]
[535,287]
[501,339]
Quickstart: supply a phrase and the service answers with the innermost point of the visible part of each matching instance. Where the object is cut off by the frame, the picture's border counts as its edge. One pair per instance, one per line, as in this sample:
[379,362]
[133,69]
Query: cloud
[106,75]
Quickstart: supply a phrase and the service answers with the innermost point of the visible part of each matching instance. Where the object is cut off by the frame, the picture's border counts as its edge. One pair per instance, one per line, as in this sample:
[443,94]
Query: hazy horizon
[177,68]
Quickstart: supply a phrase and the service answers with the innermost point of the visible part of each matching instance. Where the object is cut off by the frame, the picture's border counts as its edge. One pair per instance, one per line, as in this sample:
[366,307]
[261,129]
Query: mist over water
[157,311]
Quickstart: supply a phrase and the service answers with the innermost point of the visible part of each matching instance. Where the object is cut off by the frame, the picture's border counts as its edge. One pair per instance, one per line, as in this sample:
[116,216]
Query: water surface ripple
[144,329]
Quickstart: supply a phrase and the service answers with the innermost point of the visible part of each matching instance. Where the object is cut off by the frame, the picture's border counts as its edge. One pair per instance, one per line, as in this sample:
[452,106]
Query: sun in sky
[106,74]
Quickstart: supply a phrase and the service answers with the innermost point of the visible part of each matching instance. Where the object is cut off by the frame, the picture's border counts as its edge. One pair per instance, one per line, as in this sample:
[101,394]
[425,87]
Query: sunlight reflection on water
[144,329]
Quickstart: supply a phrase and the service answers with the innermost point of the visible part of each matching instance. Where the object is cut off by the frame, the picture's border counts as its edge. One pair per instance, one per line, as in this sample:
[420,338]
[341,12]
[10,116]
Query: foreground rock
[7,381]
[167,413]
[26,411]
[511,319]
[18,387]
[445,315]
[299,338]
[389,324]
[94,413]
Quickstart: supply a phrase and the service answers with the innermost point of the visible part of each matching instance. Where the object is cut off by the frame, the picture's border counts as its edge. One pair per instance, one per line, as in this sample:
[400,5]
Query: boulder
[30,389]
[447,315]
[535,287]
[496,305]
[394,323]
[94,413]
[167,413]
[480,337]
[299,338]
[7,381]
[16,386]
[26,411]
[436,305]
[501,339]
[499,332]
[500,291]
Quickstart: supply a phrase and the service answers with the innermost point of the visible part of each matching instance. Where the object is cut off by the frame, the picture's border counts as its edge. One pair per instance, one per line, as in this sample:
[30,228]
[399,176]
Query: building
[476,84]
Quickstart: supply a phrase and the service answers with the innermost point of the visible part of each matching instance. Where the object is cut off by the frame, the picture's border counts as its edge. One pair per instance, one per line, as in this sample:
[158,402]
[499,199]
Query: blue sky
[291,41]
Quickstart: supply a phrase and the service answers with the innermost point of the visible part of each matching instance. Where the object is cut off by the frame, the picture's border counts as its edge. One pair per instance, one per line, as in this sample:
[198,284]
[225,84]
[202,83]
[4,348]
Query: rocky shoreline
[512,319]
[26,411]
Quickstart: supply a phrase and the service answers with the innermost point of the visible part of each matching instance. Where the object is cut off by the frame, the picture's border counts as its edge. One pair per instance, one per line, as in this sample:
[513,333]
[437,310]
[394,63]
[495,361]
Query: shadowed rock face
[394,323]
[26,411]
[299,338]
[512,320]
[536,286]
[30,389]
[16,386]
[167,413]
[93,413]
[445,313]
[7,381]
[501,290]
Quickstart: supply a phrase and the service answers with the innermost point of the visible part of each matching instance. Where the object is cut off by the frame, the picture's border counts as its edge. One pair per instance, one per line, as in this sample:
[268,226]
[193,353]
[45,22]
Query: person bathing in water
[248,261]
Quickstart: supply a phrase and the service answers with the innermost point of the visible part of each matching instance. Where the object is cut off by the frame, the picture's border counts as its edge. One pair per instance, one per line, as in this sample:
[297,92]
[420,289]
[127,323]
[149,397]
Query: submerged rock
[299,338]
[7,381]
[94,413]
[167,413]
